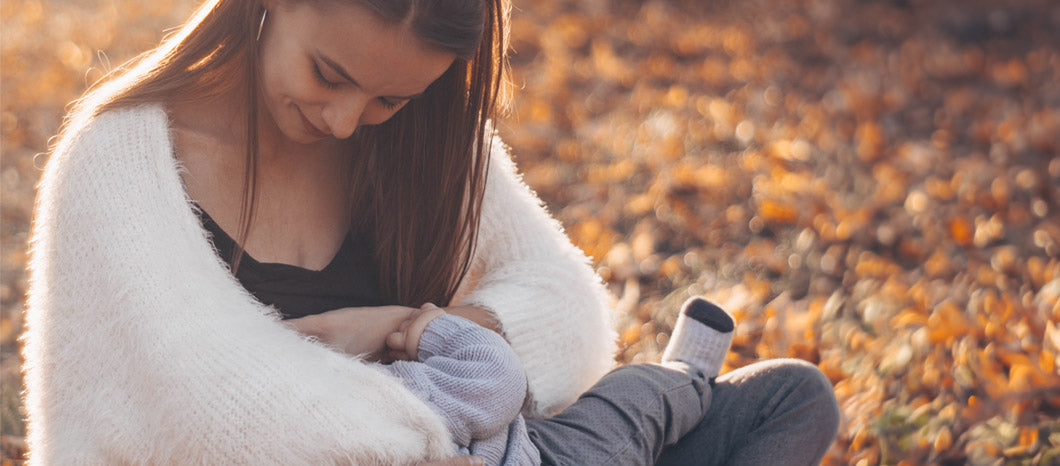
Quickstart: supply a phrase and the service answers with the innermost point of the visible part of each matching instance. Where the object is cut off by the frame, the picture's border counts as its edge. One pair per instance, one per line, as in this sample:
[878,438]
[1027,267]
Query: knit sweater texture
[141,347]
[473,380]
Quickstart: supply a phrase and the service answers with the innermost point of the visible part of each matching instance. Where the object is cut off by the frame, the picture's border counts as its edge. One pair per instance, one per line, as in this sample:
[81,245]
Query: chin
[300,136]
[286,121]
[295,131]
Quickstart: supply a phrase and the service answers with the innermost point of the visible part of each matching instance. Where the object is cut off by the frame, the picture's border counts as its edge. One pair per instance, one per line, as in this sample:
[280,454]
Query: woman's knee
[809,385]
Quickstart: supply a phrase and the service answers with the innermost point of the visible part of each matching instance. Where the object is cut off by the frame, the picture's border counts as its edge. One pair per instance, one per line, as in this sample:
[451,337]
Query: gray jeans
[779,411]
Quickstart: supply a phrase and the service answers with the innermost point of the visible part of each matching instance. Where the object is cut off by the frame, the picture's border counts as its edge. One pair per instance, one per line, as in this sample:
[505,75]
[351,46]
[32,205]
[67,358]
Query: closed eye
[320,77]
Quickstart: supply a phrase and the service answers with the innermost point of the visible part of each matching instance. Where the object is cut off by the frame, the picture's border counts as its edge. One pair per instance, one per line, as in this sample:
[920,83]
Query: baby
[472,378]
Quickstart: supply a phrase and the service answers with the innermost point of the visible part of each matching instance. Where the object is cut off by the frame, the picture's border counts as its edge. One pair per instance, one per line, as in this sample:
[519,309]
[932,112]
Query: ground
[869,185]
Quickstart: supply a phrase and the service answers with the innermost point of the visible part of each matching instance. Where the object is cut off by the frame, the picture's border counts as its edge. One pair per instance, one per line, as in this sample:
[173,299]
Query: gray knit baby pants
[779,411]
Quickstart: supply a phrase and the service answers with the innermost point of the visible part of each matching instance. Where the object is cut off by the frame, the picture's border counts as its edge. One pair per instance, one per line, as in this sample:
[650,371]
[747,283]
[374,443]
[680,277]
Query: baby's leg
[626,418]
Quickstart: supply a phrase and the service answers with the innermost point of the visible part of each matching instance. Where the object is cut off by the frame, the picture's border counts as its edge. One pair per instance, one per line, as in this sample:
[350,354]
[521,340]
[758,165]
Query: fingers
[402,344]
[396,340]
[416,328]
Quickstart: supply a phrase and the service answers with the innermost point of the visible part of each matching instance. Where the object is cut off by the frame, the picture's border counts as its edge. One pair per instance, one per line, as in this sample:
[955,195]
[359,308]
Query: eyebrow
[342,72]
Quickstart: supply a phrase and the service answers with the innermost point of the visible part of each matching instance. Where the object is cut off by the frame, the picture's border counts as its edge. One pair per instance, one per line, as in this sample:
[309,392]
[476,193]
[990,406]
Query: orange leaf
[1046,360]
[1028,436]
[909,317]
[947,322]
[776,212]
[1021,377]
[961,231]
[859,439]
[631,335]
[944,440]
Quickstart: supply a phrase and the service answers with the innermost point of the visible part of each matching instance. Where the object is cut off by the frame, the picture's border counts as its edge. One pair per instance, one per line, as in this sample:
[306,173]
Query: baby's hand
[405,342]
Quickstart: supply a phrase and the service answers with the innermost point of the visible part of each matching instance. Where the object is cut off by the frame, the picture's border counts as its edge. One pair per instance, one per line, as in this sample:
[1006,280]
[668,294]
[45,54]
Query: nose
[344,115]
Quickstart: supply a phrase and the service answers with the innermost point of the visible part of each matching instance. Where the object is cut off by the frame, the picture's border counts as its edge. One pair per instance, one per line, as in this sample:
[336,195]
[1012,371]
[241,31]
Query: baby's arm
[468,374]
[404,343]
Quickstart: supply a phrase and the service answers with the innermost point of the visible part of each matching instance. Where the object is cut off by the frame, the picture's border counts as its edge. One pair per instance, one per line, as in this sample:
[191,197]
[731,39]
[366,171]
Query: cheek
[379,114]
[270,79]
[374,118]
[282,77]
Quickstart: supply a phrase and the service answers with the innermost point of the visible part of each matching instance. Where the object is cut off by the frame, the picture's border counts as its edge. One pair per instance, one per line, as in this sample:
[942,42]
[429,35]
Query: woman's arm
[362,331]
[358,331]
[549,303]
[141,347]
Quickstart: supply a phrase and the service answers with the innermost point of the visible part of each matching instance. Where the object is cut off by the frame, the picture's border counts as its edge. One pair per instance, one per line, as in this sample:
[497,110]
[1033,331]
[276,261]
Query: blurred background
[869,185]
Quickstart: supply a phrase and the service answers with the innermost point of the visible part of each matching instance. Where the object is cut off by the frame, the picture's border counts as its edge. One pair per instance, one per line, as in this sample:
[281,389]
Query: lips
[309,128]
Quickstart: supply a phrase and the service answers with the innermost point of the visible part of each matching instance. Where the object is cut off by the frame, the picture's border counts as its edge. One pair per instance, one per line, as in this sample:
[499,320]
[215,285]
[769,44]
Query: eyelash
[322,79]
[330,85]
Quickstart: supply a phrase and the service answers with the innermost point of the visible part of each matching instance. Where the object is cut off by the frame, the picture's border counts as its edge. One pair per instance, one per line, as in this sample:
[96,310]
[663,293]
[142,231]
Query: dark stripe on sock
[709,314]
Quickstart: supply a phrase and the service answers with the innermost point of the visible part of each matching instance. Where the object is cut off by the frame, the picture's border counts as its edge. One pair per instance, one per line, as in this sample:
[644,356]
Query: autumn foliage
[869,185]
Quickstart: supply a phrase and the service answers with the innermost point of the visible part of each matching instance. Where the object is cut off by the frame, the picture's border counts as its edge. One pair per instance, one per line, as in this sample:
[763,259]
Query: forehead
[384,57]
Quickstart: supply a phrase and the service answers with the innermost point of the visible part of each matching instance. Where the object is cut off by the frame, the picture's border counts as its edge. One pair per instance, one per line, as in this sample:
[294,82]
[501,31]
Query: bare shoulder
[198,127]
[209,152]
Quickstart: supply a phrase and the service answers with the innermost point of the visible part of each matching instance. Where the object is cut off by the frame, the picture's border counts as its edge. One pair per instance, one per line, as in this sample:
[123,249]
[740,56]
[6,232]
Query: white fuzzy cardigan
[141,347]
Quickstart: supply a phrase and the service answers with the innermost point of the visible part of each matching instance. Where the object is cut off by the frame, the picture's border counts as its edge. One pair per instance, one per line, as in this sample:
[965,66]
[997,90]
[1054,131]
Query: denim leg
[780,411]
[626,418]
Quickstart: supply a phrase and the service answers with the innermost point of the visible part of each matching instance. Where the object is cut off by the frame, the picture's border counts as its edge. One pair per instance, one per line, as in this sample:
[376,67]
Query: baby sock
[701,337]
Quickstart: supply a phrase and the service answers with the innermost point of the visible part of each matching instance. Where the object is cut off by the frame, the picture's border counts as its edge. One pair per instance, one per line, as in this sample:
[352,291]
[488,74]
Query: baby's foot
[701,337]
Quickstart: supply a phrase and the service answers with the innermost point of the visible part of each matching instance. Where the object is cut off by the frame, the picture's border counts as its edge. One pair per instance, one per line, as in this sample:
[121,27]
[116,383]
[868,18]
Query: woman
[345,147]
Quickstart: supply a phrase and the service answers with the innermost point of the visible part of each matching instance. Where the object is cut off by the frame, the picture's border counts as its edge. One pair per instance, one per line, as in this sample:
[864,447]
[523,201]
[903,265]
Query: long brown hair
[418,178]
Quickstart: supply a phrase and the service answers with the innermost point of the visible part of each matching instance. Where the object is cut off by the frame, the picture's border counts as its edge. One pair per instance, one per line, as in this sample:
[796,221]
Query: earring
[262,24]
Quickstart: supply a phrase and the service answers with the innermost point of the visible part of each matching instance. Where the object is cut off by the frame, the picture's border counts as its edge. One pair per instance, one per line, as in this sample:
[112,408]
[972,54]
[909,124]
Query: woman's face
[327,70]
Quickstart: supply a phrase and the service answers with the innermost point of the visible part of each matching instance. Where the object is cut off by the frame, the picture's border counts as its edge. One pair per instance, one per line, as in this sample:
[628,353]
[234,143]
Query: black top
[350,280]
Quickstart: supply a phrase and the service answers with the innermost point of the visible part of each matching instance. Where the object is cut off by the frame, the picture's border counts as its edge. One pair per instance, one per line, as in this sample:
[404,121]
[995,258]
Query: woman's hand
[354,330]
